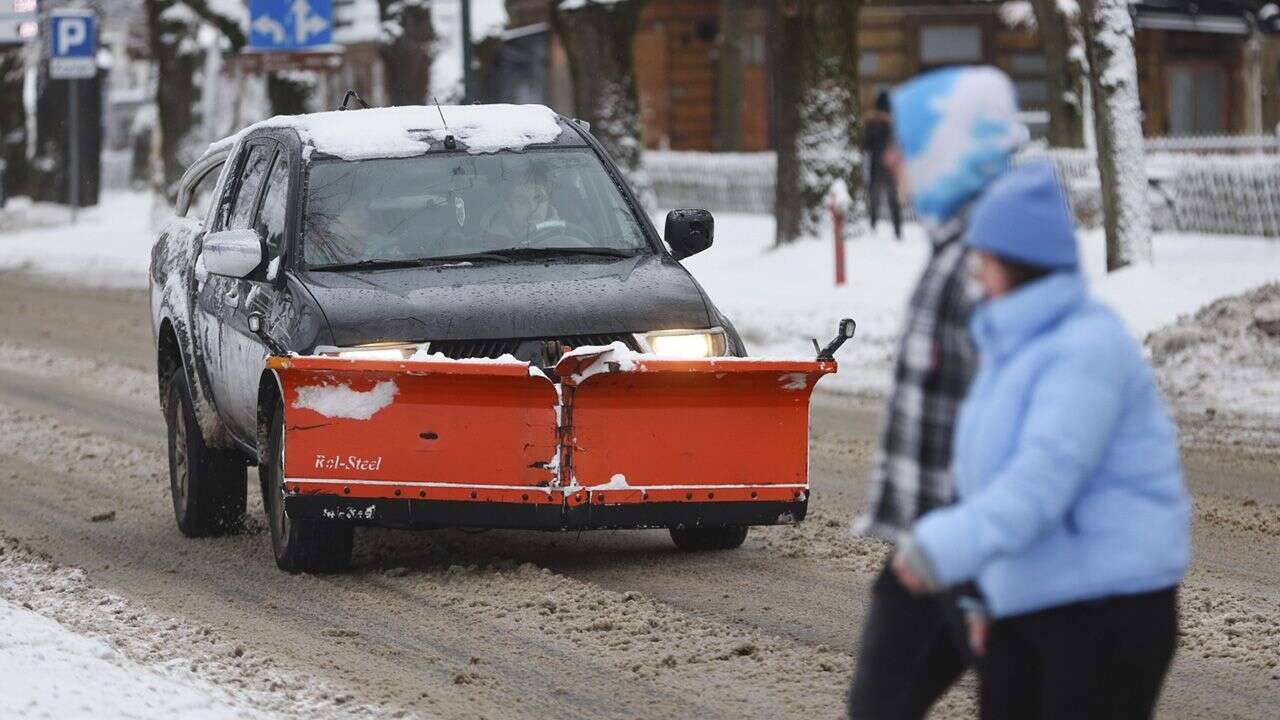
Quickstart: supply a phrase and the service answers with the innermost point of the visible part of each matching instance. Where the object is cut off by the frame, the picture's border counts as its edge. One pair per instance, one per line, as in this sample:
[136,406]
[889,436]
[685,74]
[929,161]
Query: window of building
[753,49]
[1028,63]
[1032,93]
[869,63]
[1197,98]
[949,44]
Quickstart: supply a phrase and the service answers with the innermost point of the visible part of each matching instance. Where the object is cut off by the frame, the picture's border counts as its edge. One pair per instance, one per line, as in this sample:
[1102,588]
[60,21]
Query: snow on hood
[341,401]
[406,131]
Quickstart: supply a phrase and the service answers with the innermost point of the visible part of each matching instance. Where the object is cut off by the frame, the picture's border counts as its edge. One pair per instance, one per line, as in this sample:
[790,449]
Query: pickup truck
[410,299]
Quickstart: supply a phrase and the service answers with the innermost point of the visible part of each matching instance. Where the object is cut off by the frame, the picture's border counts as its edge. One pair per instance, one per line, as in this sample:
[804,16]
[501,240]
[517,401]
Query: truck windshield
[440,206]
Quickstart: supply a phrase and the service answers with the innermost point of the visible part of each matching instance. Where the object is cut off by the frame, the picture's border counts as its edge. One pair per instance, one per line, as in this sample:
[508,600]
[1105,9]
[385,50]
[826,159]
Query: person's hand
[978,626]
[912,581]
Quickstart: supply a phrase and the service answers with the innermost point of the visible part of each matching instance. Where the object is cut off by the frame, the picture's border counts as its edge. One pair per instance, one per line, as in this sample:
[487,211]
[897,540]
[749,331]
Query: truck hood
[523,299]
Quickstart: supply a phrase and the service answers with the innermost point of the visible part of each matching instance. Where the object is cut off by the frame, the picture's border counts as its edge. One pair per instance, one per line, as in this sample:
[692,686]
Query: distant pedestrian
[956,132]
[1073,518]
[877,138]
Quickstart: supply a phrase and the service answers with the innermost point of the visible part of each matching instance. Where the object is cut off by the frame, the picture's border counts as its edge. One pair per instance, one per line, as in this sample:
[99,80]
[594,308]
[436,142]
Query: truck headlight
[375,351]
[685,343]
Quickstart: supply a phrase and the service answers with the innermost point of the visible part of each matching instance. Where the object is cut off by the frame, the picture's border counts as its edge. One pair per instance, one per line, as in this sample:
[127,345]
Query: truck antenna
[450,143]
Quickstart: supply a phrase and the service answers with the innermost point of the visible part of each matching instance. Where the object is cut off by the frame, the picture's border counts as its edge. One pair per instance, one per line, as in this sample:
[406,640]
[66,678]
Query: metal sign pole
[467,91]
[73,108]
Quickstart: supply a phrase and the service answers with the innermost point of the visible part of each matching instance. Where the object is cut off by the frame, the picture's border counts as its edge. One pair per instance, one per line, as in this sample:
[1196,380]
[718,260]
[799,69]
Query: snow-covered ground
[778,299]
[48,671]
[110,244]
[69,650]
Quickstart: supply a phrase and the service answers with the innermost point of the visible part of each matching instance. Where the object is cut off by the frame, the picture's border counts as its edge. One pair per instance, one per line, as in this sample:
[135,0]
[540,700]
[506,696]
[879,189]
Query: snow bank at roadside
[1224,362]
[70,650]
[47,670]
[778,299]
[110,245]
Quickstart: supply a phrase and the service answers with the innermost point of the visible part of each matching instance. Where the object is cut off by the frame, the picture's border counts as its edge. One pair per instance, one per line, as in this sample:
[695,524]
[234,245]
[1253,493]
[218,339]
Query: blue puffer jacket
[1066,460]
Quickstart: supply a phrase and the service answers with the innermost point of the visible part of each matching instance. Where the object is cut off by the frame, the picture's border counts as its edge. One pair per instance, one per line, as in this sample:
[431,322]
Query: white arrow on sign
[266,25]
[305,24]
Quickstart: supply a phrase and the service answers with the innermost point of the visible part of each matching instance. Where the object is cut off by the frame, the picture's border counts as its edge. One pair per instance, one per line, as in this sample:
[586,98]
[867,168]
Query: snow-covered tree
[13,119]
[173,33]
[1057,24]
[1108,31]
[599,37]
[408,38]
[818,110]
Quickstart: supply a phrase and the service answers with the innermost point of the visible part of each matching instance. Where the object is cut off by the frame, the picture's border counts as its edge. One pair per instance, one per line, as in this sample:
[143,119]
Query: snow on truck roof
[402,131]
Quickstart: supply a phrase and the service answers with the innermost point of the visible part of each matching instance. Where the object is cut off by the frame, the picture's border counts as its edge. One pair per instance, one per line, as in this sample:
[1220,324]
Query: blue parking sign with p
[73,36]
[73,45]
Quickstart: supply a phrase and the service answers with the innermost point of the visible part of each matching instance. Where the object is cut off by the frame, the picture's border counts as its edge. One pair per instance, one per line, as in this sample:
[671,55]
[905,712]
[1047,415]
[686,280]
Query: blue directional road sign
[290,24]
[73,45]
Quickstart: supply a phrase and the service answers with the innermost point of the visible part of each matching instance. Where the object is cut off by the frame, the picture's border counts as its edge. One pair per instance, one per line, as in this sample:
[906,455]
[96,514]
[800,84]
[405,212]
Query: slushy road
[522,624]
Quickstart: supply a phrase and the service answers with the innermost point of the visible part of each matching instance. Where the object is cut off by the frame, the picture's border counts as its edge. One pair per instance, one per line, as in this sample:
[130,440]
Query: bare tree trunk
[1064,50]
[407,55]
[818,123]
[1108,31]
[599,39]
[178,61]
[729,80]
[13,122]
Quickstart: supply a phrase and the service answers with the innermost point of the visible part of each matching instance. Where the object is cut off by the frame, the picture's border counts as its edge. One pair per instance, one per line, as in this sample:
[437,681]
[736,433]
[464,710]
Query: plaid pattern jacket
[936,358]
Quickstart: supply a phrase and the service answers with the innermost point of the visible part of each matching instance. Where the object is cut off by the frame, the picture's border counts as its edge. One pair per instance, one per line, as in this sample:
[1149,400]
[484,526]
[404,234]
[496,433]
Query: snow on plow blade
[627,440]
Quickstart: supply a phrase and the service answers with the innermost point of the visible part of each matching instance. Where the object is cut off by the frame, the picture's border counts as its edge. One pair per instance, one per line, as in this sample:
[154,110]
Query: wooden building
[1193,61]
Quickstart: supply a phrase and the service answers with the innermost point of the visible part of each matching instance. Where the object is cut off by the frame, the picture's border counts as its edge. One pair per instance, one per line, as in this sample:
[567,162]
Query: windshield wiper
[467,257]
[602,251]
[372,264]
[504,255]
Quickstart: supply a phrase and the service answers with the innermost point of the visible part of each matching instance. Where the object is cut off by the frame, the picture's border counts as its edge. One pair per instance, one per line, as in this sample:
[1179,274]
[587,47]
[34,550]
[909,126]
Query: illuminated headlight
[685,343]
[380,351]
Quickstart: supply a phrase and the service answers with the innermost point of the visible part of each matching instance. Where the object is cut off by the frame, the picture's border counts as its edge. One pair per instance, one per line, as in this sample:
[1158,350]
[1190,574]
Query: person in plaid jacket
[957,132]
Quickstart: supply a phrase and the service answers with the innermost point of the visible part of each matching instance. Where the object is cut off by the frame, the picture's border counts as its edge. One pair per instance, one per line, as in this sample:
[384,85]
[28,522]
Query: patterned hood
[958,130]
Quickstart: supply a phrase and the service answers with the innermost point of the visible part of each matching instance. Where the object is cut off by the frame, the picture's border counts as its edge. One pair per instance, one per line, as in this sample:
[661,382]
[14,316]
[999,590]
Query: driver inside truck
[524,211]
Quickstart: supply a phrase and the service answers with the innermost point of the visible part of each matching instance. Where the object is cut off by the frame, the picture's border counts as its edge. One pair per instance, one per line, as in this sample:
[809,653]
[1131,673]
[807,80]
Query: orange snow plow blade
[426,430]
[655,430]
[627,440]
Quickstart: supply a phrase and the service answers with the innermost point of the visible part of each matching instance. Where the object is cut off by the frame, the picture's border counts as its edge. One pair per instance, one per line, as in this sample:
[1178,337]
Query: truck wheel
[208,485]
[299,545]
[714,538]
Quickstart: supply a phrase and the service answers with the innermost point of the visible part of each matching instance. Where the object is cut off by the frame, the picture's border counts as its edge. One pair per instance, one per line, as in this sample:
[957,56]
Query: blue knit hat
[1024,216]
[958,130]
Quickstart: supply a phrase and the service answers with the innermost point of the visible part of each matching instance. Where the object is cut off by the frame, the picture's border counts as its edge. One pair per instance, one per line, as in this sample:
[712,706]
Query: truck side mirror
[233,253]
[689,232]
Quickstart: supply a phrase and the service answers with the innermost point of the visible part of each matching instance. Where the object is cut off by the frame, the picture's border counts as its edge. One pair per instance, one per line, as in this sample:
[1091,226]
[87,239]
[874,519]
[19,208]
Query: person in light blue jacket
[1073,517]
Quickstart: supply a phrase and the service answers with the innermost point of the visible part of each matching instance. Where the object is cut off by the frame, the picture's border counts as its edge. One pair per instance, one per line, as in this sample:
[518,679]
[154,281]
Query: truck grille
[528,349]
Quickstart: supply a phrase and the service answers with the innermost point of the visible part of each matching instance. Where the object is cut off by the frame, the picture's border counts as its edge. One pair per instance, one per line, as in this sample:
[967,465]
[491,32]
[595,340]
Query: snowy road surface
[504,624]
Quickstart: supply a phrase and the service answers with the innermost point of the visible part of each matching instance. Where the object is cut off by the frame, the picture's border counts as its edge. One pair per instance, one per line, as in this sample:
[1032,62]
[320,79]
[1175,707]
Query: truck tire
[299,545]
[713,538]
[208,486]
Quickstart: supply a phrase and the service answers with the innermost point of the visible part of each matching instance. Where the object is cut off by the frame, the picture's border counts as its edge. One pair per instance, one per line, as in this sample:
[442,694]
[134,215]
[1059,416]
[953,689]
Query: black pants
[881,183]
[913,650]
[1096,660]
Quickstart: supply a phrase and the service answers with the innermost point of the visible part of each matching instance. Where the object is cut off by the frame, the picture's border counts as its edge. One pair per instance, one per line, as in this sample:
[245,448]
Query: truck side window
[271,218]
[202,194]
[250,182]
